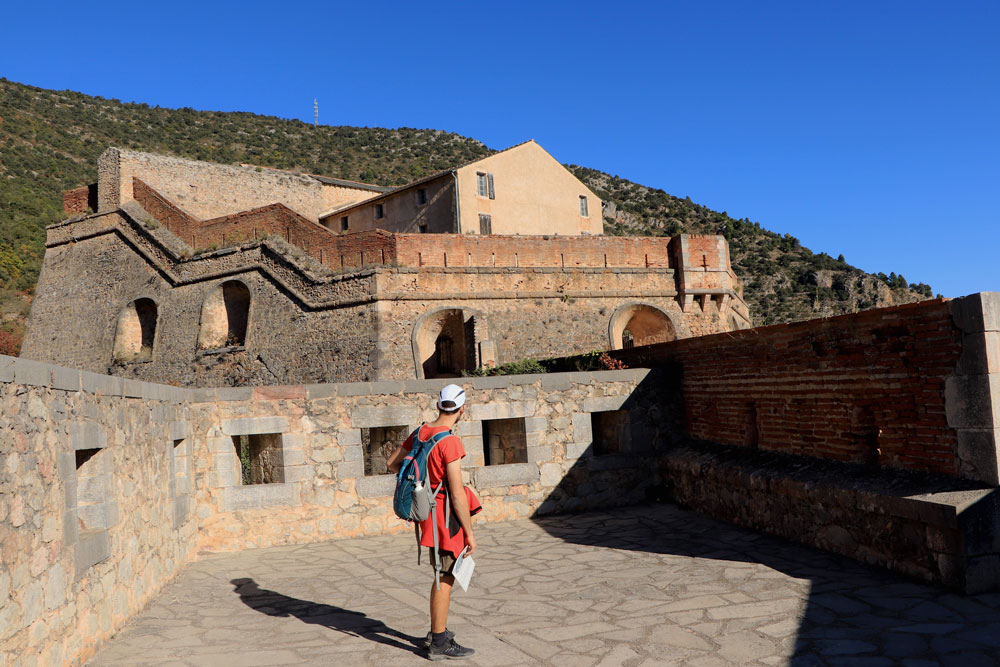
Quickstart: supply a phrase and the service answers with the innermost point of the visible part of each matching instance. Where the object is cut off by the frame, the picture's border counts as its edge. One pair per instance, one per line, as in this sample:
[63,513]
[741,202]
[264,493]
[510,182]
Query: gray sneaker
[452,650]
[430,636]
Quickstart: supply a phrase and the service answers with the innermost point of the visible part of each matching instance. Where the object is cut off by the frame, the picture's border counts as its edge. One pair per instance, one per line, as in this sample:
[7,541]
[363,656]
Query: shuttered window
[484,185]
[583,206]
[485,224]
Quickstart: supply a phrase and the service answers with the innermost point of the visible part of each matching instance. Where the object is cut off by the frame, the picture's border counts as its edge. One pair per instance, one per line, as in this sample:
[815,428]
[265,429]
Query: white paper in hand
[462,571]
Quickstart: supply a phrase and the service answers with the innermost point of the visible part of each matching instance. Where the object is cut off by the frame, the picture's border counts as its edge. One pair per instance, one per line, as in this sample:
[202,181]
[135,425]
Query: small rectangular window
[583,206]
[422,227]
[261,458]
[485,224]
[421,196]
[610,431]
[379,211]
[505,441]
[482,184]
[343,224]
[377,445]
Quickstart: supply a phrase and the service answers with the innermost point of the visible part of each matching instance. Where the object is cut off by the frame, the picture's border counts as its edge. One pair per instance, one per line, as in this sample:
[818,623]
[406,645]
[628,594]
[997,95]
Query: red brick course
[80,200]
[866,387]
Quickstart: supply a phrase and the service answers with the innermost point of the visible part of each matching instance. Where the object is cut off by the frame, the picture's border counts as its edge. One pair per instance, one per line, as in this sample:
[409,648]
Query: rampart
[208,190]
[111,485]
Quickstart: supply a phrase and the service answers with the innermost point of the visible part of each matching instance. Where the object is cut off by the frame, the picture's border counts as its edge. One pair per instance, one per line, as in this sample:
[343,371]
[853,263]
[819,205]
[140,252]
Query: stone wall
[309,324]
[96,482]
[109,486]
[208,190]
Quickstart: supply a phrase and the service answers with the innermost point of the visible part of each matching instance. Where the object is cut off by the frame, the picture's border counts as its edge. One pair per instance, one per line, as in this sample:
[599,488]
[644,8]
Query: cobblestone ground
[652,585]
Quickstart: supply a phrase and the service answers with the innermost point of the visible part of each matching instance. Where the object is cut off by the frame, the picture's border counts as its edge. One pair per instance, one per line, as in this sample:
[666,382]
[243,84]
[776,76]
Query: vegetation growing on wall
[50,141]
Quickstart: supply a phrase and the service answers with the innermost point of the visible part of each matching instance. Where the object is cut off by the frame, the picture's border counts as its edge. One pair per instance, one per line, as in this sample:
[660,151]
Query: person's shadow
[347,621]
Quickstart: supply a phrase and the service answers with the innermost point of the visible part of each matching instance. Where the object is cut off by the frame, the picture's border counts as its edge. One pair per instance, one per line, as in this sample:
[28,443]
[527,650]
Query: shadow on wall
[850,610]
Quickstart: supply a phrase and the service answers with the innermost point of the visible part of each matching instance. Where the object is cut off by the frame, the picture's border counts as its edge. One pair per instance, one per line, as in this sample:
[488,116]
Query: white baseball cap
[451,398]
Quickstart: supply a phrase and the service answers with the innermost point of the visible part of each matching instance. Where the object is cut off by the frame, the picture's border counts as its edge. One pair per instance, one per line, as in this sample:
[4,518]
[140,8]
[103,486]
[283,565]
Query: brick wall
[79,200]
[866,388]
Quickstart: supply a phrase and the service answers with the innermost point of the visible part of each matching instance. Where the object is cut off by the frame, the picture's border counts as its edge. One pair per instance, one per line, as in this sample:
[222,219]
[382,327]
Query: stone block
[293,457]
[349,437]
[32,373]
[550,475]
[179,430]
[66,379]
[318,391]
[539,453]
[92,547]
[972,401]
[106,385]
[505,475]
[259,496]
[605,403]
[133,388]
[581,377]
[536,424]
[87,435]
[583,428]
[354,389]
[980,354]
[233,394]
[369,416]
[557,381]
[468,428]
[977,312]
[353,453]
[7,368]
[350,469]
[576,450]
[491,382]
[387,387]
[224,445]
[66,464]
[376,486]
[298,473]
[71,527]
[430,388]
[978,455]
[292,441]
[501,410]
[181,511]
[254,425]
[202,395]
[624,375]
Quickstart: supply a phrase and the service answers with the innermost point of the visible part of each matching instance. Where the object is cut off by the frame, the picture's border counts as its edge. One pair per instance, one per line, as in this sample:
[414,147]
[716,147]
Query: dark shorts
[445,557]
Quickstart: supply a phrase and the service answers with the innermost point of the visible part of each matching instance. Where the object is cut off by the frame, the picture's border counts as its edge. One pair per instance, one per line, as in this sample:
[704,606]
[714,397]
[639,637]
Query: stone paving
[652,585]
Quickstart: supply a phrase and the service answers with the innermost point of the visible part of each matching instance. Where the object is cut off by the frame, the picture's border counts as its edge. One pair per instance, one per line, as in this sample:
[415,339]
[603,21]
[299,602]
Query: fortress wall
[913,387]
[207,190]
[95,506]
[79,200]
[533,251]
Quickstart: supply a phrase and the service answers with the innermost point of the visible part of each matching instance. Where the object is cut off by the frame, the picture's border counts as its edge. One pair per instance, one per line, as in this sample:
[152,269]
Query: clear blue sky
[868,129]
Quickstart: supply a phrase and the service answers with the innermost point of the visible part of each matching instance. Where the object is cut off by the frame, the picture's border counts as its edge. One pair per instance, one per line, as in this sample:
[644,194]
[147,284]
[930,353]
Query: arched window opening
[224,316]
[136,332]
[639,324]
[449,341]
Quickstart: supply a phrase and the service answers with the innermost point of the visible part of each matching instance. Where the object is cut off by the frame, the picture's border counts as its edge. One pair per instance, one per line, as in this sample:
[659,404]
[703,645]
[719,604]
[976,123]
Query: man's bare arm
[460,502]
[395,460]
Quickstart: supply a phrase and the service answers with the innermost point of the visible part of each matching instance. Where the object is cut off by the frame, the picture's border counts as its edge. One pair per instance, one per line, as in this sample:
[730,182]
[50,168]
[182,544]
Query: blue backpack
[413,499]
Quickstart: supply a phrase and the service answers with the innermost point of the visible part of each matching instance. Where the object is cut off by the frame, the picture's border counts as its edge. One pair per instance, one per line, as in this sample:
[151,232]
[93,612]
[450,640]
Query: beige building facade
[522,190]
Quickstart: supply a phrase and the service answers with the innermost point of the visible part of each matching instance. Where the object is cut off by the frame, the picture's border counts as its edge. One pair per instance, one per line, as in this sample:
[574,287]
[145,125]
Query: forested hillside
[50,140]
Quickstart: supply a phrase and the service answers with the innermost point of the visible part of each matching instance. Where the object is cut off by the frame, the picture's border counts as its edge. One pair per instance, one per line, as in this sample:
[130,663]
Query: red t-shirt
[451,537]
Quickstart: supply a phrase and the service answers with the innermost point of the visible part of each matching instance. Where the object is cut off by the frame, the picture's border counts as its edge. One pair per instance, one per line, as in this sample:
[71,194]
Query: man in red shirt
[444,463]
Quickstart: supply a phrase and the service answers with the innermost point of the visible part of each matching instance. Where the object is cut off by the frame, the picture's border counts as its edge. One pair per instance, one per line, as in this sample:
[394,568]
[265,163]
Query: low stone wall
[96,482]
[109,486]
[933,528]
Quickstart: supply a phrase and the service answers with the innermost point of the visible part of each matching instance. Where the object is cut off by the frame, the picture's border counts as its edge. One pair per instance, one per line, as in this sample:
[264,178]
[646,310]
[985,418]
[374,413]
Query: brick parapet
[883,387]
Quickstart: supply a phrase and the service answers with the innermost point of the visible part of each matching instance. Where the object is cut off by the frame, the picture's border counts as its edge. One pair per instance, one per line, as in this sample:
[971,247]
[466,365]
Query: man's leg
[440,600]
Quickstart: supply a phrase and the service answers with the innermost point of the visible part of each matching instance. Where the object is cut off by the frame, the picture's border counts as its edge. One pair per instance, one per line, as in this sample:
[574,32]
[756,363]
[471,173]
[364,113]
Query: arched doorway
[638,324]
[448,341]
[224,316]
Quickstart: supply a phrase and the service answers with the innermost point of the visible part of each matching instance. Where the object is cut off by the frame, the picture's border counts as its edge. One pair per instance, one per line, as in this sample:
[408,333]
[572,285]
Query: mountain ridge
[50,140]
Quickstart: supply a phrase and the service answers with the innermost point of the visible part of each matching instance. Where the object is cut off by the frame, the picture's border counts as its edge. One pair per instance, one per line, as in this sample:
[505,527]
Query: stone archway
[637,324]
[448,341]
[224,316]
[136,331]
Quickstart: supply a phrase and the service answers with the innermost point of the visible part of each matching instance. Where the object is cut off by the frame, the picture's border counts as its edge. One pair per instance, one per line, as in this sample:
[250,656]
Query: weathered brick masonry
[865,388]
